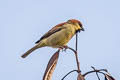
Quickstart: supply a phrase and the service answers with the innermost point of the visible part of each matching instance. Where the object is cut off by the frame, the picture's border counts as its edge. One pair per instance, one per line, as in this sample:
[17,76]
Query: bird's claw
[64,48]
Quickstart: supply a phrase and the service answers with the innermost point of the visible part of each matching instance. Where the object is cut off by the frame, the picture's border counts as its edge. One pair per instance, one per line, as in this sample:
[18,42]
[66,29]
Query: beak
[82,29]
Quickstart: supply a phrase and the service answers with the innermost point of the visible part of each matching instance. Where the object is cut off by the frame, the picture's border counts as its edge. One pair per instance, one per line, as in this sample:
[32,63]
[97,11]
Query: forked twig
[96,73]
[99,71]
[76,56]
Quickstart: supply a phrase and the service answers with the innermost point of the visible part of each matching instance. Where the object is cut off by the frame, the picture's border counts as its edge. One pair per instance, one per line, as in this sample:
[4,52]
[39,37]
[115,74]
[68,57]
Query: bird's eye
[80,24]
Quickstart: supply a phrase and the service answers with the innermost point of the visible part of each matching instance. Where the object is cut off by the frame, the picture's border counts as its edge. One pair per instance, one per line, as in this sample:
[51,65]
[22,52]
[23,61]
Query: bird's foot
[63,48]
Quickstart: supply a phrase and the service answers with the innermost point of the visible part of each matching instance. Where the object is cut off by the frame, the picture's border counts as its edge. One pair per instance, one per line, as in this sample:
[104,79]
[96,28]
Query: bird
[58,36]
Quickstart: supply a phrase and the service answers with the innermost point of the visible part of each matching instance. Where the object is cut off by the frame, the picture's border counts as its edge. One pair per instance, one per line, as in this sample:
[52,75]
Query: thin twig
[68,74]
[76,54]
[78,63]
[76,41]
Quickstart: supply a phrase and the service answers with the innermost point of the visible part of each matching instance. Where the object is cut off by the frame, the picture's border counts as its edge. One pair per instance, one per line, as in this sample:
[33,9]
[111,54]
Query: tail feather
[29,51]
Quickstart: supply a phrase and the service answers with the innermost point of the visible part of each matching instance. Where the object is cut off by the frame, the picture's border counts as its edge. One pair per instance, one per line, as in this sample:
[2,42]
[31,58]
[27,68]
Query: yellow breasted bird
[58,36]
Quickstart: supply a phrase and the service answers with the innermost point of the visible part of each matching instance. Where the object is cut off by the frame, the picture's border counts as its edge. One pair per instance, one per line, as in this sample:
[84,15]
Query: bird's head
[78,25]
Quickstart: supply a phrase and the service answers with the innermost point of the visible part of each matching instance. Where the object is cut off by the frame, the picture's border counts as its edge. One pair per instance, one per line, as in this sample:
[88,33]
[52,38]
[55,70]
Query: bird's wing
[52,31]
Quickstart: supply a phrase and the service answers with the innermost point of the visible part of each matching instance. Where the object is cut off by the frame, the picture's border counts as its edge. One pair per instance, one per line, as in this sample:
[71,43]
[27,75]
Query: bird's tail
[29,51]
[39,45]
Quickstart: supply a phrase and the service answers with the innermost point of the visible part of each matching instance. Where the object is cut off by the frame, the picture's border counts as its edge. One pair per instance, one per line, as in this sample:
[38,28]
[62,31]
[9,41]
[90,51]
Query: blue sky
[23,22]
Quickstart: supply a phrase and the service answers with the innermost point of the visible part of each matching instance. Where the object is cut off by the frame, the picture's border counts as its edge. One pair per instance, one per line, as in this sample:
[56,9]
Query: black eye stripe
[80,24]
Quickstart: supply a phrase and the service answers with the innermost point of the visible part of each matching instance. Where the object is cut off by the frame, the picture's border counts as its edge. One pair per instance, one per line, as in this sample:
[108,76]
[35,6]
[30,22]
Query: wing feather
[52,31]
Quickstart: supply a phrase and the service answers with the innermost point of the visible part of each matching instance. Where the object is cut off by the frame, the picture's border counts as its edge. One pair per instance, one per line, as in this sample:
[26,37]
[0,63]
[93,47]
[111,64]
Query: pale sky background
[23,22]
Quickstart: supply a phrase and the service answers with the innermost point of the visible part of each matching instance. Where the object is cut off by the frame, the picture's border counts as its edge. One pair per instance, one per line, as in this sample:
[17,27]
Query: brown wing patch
[57,26]
[52,31]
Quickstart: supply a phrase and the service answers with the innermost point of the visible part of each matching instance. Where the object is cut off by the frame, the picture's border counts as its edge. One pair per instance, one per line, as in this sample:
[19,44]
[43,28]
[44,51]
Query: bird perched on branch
[58,36]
